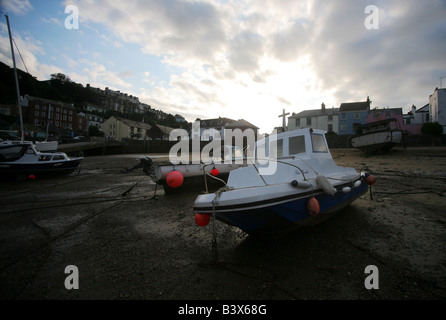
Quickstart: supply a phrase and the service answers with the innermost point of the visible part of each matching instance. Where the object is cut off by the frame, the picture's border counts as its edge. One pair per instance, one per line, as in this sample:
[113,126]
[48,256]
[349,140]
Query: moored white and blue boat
[300,186]
[25,159]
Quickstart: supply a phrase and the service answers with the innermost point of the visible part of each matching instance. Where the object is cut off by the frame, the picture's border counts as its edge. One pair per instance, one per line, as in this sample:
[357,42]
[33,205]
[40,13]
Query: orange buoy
[371,180]
[202,220]
[215,172]
[313,206]
[174,179]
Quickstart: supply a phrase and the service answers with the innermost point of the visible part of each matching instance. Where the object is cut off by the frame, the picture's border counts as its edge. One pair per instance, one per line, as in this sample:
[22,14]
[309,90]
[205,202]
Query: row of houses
[118,128]
[63,117]
[346,119]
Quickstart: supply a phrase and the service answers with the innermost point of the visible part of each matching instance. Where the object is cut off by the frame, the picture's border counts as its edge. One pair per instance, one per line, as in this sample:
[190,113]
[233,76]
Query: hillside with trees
[61,88]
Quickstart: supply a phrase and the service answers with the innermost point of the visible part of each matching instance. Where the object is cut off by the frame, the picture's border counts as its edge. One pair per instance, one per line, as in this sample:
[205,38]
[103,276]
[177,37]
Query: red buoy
[31,177]
[174,179]
[202,220]
[215,172]
[371,180]
[313,206]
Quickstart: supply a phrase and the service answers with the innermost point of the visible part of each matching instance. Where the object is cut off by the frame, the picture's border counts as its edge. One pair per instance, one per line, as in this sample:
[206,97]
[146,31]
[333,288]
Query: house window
[36,113]
[356,127]
[343,116]
[343,127]
[309,121]
[298,122]
[36,107]
[356,116]
[43,114]
[330,127]
[330,117]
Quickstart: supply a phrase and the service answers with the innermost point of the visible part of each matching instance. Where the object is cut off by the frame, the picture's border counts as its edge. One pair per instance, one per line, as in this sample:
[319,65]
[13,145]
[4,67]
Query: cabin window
[318,142]
[296,145]
[279,148]
[45,158]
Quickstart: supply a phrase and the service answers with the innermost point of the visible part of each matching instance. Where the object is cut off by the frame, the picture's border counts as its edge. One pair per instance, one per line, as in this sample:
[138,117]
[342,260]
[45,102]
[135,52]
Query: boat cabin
[380,126]
[291,143]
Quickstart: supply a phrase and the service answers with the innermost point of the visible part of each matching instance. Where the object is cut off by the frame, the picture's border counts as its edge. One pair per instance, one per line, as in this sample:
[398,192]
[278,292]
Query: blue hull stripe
[290,214]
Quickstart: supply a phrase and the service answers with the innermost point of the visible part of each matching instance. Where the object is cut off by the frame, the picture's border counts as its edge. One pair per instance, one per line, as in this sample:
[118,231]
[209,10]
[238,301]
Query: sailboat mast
[16,79]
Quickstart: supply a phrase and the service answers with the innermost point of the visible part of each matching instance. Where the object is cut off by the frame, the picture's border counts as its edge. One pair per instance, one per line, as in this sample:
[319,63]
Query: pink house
[396,113]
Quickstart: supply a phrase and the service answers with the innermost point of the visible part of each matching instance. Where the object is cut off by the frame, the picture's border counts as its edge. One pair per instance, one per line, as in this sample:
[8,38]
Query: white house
[323,118]
[437,107]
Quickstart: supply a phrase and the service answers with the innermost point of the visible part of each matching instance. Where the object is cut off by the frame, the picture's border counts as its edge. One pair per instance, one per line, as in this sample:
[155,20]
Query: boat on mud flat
[379,136]
[24,158]
[304,187]
[43,146]
[176,178]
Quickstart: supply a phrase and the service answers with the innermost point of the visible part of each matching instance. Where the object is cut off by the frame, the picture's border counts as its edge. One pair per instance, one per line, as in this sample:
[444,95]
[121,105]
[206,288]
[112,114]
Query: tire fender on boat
[323,182]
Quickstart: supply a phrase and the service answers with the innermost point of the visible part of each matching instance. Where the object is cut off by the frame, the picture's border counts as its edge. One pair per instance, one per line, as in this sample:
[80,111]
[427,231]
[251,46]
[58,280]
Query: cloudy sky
[239,59]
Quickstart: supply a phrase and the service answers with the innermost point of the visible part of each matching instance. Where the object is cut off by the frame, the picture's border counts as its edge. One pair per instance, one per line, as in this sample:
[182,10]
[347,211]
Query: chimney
[368,101]
[323,107]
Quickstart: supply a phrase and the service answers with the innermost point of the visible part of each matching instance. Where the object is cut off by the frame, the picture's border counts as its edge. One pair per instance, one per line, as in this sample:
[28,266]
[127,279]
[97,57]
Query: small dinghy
[299,185]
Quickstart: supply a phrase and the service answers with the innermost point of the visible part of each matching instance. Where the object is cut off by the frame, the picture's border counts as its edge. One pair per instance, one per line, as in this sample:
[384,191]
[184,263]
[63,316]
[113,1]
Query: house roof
[354,106]
[132,123]
[388,110]
[47,101]
[315,113]
[242,123]
[423,109]
[164,129]
[211,123]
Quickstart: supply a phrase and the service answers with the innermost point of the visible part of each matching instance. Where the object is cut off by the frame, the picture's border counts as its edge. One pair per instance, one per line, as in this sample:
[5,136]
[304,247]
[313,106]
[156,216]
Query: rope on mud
[52,239]
[346,148]
[131,188]
[413,189]
[214,234]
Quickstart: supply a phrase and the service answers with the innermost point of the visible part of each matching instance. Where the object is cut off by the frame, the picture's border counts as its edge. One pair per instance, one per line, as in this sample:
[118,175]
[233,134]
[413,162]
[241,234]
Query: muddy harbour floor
[128,245]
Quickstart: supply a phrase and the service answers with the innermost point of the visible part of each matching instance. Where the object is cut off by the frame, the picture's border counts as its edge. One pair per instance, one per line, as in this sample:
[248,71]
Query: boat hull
[281,217]
[378,141]
[40,169]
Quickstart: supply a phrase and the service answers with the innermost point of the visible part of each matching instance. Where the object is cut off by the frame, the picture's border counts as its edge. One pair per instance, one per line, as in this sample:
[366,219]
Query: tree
[94,131]
[61,77]
[432,128]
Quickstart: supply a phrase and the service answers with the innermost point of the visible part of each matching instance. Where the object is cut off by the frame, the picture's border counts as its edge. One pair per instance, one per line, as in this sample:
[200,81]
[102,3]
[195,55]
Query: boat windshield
[12,152]
[318,142]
